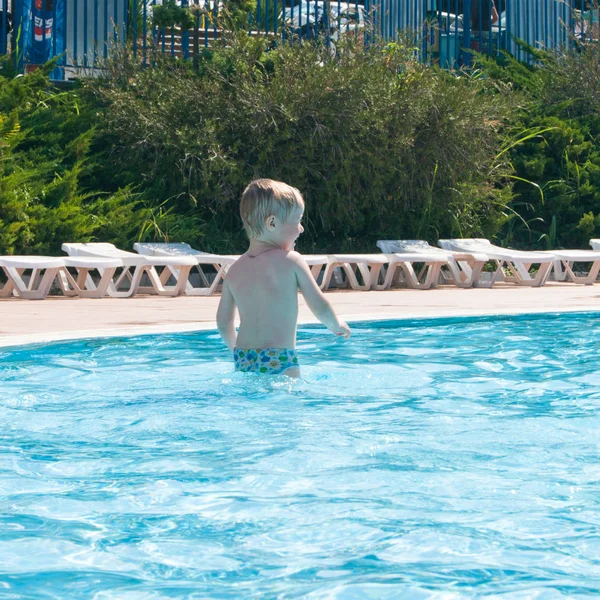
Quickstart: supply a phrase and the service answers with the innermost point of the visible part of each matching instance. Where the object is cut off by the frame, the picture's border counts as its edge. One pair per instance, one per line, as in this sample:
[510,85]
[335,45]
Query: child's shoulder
[288,257]
[291,255]
[271,256]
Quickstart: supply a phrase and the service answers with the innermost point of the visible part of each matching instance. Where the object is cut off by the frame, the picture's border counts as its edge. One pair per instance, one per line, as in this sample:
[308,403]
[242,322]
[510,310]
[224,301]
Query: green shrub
[46,166]
[380,145]
[563,101]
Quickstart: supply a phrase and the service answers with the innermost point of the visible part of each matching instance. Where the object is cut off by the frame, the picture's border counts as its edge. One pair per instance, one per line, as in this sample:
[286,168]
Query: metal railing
[84,32]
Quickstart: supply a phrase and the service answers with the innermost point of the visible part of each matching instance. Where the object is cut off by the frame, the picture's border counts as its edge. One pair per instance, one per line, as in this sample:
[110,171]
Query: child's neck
[258,246]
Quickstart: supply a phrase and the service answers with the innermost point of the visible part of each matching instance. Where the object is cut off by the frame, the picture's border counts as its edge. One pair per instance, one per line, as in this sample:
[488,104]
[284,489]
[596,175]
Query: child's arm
[226,316]
[318,304]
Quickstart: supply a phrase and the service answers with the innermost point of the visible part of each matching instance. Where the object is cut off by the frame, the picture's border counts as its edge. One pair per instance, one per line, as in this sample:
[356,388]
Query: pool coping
[11,341]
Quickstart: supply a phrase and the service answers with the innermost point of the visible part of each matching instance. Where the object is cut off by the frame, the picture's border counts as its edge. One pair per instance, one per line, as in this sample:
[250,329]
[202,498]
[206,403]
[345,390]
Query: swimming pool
[442,458]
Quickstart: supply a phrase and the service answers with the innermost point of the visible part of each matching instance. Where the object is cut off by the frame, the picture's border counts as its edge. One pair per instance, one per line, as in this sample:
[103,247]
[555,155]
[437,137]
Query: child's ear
[270,222]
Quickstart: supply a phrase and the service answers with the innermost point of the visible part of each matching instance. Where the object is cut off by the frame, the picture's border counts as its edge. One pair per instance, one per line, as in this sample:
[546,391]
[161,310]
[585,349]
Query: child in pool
[263,284]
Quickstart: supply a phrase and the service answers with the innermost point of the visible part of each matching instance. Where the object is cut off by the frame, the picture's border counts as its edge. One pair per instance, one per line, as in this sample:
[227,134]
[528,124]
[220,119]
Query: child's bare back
[263,284]
[265,291]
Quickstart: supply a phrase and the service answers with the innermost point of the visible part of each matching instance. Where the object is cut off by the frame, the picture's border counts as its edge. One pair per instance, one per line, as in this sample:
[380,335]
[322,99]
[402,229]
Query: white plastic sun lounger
[565,261]
[141,265]
[219,262]
[463,269]
[43,272]
[81,283]
[514,266]
[368,266]
[318,265]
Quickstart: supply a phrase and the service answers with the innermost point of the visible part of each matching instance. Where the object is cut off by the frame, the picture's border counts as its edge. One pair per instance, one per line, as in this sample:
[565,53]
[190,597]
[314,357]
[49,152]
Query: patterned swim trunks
[272,361]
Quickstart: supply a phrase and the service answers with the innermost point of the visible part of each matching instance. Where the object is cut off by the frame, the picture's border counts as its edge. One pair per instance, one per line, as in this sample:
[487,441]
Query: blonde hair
[265,197]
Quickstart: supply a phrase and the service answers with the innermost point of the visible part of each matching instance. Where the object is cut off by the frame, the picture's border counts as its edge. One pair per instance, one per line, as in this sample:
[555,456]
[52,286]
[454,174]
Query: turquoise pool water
[429,459]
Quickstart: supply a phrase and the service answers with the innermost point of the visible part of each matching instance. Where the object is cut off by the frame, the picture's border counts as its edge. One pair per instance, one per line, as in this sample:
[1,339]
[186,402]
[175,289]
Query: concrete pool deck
[59,318]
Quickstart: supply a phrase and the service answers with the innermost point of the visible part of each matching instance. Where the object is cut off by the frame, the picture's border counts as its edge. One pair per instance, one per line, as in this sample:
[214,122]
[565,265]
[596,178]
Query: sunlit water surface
[430,459]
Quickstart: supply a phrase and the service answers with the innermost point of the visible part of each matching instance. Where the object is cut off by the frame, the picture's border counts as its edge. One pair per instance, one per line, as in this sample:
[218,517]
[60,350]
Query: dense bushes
[380,145]
[563,101]
[45,138]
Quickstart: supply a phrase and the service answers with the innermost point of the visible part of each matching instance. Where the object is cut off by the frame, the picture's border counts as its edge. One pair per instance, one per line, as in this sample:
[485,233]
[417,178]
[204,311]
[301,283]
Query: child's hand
[342,330]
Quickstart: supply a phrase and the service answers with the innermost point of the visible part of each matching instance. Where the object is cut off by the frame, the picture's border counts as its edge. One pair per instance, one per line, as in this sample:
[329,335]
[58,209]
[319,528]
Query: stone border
[11,341]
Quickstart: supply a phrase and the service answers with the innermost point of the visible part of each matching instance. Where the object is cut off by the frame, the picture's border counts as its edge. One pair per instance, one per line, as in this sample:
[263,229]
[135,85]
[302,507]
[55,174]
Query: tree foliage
[380,145]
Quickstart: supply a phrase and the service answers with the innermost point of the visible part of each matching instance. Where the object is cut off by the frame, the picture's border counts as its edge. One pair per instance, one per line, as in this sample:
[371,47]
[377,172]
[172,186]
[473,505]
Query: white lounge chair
[565,261]
[514,266]
[141,265]
[460,268]
[220,263]
[80,282]
[318,265]
[367,266]
[43,272]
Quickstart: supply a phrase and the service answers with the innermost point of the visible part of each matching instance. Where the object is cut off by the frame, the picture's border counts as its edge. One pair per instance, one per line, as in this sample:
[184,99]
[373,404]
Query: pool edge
[12,341]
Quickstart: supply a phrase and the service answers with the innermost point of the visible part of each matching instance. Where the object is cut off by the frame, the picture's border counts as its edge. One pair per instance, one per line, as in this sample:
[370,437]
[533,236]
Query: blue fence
[84,32]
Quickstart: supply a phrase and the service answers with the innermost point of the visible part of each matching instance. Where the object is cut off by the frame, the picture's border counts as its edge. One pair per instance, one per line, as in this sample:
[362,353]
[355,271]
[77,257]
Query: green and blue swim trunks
[271,361]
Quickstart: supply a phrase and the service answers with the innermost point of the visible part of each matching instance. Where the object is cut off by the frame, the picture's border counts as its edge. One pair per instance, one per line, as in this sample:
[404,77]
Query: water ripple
[423,459]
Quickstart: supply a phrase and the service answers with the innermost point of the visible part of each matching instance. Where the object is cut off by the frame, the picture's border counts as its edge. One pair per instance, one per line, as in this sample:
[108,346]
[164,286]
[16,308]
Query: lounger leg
[8,289]
[561,274]
[593,273]
[136,278]
[456,274]
[35,279]
[203,277]
[498,274]
[166,274]
[84,279]
[542,274]
[209,288]
[29,292]
[317,272]
[67,285]
[388,279]
[523,277]
[101,290]
[113,286]
[351,276]
[374,272]
[328,274]
[84,285]
[179,288]
[521,271]
[433,274]
[45,284]
[219,277]
[156,281]
[124,274]
[412,279]
[182,276]
[465,274]
[476,269]
[588,279]
[338,277]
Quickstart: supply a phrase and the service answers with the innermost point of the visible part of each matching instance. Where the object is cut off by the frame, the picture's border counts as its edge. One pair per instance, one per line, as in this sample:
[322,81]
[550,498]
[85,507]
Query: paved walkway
[27,321]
